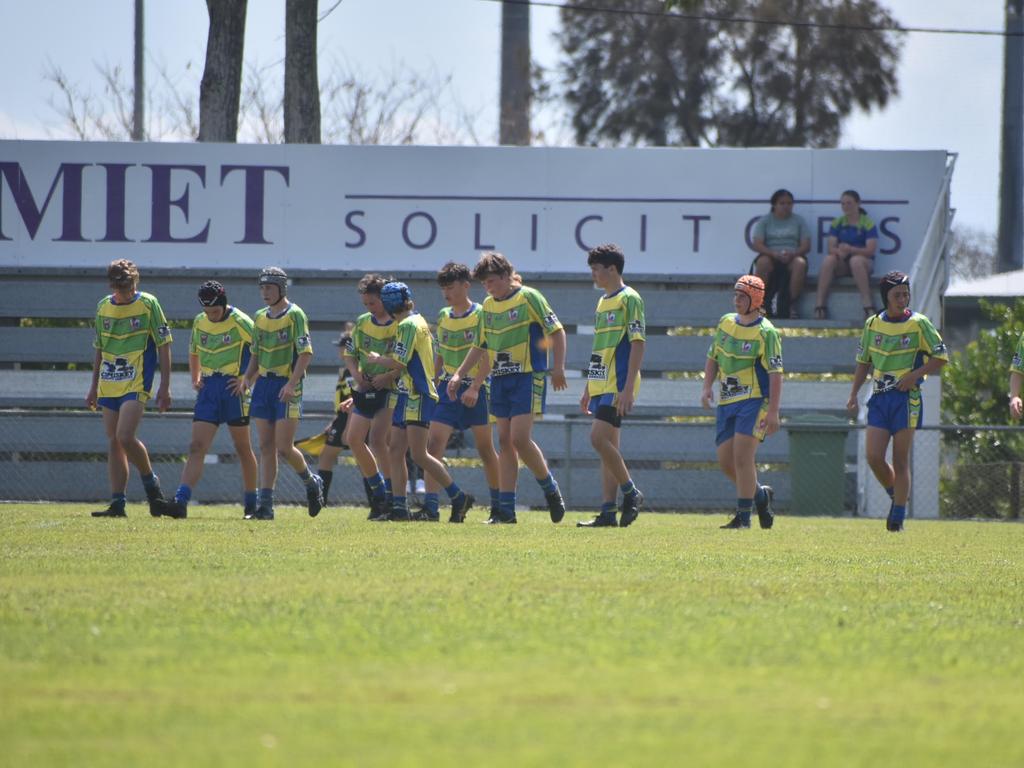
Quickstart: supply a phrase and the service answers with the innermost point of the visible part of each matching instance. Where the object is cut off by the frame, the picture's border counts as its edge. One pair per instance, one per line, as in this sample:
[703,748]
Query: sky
[950,85]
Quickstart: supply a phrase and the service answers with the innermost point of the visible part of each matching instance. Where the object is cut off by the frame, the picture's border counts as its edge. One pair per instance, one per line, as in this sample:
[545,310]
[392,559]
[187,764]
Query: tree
[986,477]
[221,86]
[514,119]
[736,73]
[972,253]
[301,82]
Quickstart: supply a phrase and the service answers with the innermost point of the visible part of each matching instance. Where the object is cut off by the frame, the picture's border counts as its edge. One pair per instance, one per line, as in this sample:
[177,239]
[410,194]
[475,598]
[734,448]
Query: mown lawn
[334,641]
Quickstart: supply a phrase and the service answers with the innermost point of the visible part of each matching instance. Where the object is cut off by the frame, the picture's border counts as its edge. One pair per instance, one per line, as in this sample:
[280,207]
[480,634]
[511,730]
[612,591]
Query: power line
[674,16]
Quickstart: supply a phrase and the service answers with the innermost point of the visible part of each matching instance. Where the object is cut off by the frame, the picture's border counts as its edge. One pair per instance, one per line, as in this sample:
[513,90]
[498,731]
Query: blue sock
[150,481]
[608,509]
[743,507]
[891,491]
[899,512]
[251,499]
[430,503]
[507,503]
[548,484]
[267,498]
[119,499]
[387,486]
[452,491]
[398,504]
[183,495]
[495,499]
[627,487]
[376,483]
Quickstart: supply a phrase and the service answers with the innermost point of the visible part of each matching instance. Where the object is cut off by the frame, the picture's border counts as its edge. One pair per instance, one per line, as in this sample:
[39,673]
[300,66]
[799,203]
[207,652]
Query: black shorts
[367,404]
[336,431]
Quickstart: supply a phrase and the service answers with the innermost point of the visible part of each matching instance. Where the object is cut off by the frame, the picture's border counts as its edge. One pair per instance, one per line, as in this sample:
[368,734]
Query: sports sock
[494,498]
[118,499]
[743,507]
[608,509]
[430,504]
[266,498]
[376,483]
[507,503]
[398,504]
[548,484]
[898,514]
[251,499]
[452,491]
[326,475]
[627,487]
[183,495]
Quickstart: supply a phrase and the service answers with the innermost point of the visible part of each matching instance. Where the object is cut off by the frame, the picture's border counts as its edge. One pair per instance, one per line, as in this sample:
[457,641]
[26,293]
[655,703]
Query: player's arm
[860,375]
[163,393]
[910,380]
[195,370]
[473,357]
[636,360]
[1016,406]
[91,396]
[771,419]
[558,359]
[391,363]
[707,395]
[301,364]
[472,393]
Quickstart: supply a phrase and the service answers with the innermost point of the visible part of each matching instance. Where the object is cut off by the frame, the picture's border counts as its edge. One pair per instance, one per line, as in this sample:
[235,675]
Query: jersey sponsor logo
[878,339]
[106,324]
[203,338]
[597,370]
[118,370]
[939,349]
[401,349]
[503,365]
[636,327]
[747,346]
[282,335]
[550,320]
[163,331]
[470,335]
[226,338]
[513,314]
[905,342]
[886,383]
[610,317]
[775,361]
[302,341]
[731,388]
[136,324]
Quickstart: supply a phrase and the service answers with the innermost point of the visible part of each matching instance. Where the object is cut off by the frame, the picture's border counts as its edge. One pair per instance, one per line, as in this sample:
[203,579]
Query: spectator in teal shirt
[782,241]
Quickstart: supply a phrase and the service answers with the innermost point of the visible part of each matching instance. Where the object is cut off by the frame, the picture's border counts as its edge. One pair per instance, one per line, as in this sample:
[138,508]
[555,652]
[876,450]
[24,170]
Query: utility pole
[514,119]
[1011,176]
[139,111]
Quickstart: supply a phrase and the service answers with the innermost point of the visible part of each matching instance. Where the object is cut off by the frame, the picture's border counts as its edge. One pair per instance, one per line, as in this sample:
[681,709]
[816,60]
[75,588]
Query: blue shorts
[605,408]
[412,410]
[455,413]
[216,403]
[745,417]
[516,394]
[115,403]
[895,411]
[265,405]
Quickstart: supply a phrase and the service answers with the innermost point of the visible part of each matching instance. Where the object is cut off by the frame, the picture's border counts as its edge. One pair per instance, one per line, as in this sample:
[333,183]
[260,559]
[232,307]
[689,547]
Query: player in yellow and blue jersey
[459,325]
[281,352]
[519,327]
[613,380]
[132,340]
[219,352]
[370,418]
[413,357]
[1016,380]
[745,357]
[903,348]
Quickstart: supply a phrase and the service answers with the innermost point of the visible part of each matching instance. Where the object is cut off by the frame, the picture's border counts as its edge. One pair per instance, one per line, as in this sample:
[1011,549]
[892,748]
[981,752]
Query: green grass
[335,641]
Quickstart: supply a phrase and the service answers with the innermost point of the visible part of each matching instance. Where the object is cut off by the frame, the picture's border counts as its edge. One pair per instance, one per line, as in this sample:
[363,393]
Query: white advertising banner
[675,211]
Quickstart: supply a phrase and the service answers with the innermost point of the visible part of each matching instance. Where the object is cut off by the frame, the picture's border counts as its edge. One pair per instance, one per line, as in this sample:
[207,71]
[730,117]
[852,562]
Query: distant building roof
[1002,284]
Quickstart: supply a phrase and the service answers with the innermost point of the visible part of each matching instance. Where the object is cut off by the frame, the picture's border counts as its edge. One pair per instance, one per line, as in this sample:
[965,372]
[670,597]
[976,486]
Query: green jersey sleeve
[771,351]
[300,328]
[158,327]
[864,345]
[541,312]
[405,342]
[1017,364]
[931,342]
[636,323]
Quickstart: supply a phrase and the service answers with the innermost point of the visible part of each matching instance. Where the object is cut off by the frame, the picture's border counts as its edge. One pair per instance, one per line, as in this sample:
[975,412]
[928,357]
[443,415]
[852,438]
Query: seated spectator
[782,240]
[852,242]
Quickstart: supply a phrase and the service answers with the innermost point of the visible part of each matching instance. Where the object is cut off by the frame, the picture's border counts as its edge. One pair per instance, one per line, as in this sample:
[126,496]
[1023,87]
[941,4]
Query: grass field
[341,642]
